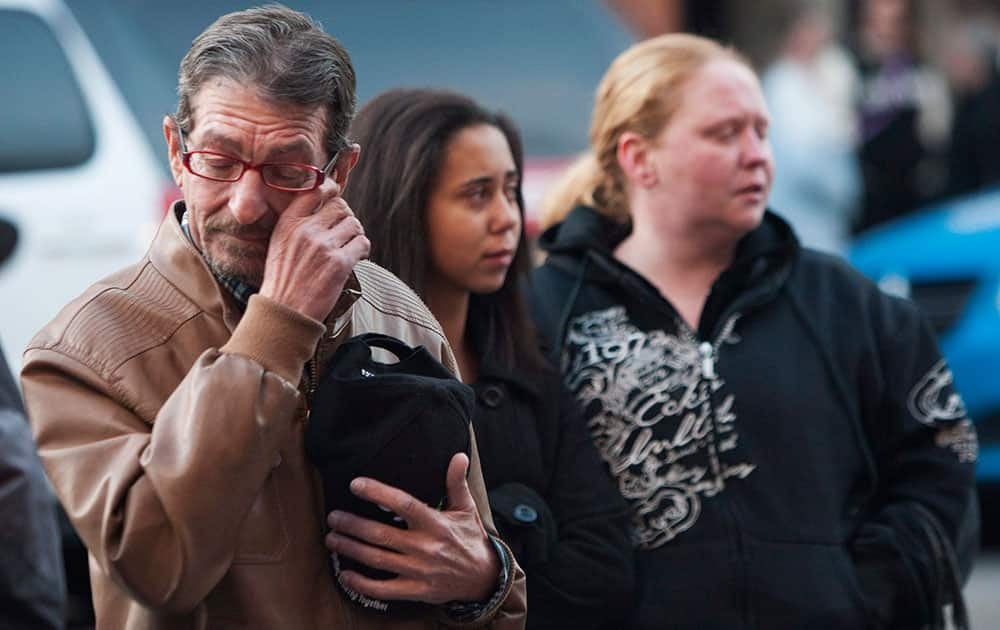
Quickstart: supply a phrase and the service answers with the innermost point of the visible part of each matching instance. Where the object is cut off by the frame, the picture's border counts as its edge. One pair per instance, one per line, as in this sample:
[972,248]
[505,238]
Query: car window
[44,122]
[538,61]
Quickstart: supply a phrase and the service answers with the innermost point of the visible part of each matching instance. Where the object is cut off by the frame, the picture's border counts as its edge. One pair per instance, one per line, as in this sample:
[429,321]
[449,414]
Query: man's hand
[315,245]
[443,556]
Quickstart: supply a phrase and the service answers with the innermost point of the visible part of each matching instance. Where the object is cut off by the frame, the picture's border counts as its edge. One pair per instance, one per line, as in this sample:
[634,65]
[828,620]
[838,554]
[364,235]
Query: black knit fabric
[399,423]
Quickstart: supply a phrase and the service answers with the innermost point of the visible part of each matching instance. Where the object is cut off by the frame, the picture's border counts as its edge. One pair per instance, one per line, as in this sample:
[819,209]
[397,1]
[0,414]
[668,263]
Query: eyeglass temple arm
[180,135]
[333,160]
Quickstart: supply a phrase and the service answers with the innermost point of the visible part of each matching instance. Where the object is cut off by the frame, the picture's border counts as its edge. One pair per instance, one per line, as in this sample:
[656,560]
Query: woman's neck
[682,265]
[451,309]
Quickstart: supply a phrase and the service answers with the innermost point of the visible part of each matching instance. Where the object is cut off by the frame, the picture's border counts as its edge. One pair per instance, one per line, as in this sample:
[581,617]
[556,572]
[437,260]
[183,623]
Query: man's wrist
[465,612]
[275,336]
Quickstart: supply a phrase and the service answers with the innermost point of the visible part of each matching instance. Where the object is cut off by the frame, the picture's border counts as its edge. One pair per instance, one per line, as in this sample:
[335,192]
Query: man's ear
[173,150]
[345,164]
[635,160]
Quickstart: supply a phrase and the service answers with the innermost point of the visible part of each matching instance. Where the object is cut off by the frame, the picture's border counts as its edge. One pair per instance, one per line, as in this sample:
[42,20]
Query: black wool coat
[553,499]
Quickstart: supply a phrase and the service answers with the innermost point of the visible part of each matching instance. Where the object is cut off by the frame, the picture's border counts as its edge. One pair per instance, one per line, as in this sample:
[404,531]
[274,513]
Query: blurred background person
[438,190]
[810,91]
[905,114]
[971,61]
[787,435]
[749,26]
[32,586]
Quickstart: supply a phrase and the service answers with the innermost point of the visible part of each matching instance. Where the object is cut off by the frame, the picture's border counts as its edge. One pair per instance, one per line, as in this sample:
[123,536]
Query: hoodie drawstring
[568,307]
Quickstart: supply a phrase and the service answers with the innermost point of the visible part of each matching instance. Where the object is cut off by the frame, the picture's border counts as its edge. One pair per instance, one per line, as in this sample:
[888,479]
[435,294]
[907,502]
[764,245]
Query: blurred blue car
[947,259]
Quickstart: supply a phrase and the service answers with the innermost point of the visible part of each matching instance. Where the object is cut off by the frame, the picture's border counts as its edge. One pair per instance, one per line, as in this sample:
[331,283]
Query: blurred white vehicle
[538,61]
[83,174]
[78,180]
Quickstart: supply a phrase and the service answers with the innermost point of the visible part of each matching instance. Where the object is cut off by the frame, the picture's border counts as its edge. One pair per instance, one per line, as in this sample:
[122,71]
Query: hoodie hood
[587,229]
[584,243]
[584,229]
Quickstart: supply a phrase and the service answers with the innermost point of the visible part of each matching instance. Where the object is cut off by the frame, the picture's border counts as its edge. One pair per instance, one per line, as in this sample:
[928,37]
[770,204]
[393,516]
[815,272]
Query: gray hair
[285,54]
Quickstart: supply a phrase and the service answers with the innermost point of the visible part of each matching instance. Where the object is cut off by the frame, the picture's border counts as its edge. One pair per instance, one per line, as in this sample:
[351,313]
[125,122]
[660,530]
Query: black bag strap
[947,579]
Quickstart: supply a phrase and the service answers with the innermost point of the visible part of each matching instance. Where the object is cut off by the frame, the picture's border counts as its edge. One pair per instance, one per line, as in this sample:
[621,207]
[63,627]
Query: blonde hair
[639,93]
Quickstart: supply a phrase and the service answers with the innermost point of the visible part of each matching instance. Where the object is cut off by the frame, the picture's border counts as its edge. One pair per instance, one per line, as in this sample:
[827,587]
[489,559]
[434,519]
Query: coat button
[525,513]
[492,396]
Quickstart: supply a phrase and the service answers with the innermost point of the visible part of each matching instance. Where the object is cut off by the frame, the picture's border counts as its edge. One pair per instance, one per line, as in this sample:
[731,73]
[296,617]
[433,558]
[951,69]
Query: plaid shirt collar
[241,291]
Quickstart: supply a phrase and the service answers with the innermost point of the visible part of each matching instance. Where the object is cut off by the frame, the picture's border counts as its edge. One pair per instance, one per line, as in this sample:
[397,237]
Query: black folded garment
[399,423]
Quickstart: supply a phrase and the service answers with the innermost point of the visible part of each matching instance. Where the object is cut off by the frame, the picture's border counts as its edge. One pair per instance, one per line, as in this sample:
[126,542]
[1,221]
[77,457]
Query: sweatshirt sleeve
[922,520]
[171,494]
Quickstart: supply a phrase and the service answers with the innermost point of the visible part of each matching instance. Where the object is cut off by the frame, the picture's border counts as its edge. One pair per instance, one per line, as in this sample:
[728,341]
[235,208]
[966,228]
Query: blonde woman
[787,437]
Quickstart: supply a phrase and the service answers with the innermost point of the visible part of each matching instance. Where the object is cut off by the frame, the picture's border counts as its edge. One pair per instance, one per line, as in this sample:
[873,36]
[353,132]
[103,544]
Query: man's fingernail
[357,484]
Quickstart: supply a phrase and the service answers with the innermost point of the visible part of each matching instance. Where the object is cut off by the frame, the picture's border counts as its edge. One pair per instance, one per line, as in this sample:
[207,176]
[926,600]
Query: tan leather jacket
[171,428]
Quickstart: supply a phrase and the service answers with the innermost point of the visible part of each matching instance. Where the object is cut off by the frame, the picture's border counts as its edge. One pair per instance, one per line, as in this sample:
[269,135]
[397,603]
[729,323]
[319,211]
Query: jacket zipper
[707,360]
[311,390]
[708,353]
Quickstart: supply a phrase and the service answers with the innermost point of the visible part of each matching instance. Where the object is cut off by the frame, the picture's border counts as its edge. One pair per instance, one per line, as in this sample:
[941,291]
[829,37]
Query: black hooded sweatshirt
[799,460]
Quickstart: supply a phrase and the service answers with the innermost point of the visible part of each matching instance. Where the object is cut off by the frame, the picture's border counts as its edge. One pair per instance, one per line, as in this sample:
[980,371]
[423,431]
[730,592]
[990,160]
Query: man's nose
[248,198]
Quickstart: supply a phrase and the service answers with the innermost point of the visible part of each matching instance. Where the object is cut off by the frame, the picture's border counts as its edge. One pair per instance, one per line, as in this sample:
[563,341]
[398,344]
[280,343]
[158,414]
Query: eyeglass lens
[228,169]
